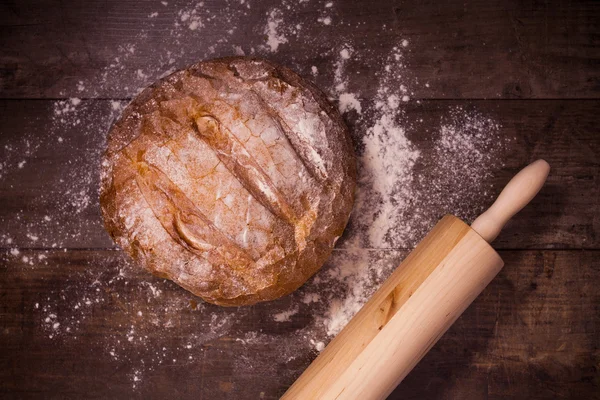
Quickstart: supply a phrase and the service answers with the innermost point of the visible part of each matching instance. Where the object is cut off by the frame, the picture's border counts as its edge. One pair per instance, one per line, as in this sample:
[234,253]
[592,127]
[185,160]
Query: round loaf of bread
[234,178]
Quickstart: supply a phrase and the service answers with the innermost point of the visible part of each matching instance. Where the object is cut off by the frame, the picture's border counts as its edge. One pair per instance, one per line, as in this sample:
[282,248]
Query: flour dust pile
[406,182]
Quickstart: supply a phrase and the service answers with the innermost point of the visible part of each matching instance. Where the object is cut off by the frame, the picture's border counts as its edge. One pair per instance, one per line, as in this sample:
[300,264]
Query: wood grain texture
[531,334]
[563,215]
[534,332]
[508,49]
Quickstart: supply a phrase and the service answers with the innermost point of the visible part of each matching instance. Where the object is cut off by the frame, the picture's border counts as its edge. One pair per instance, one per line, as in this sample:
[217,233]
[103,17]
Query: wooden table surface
[78,321]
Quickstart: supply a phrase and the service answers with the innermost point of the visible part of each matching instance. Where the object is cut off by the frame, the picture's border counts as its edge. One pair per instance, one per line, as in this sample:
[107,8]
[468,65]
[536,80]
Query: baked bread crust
[234,178]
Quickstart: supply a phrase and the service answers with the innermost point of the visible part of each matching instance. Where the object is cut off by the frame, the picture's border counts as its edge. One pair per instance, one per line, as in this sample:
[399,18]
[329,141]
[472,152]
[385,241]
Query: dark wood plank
[504,49]
[95,297]
[564,134]
[532,334]
[522,337]
[59,180]
[479,49]
[49,178]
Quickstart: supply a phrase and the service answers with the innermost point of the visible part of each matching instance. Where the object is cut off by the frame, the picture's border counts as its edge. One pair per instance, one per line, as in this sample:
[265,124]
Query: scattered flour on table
[324,20]
[151,314]
[285,315]
[387,170]
[347,102]
[403,189]
[319,346]
[274,36]
[191,17]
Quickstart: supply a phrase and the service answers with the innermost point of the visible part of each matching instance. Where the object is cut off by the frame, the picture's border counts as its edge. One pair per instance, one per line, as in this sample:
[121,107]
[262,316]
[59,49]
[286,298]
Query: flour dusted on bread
[234,178]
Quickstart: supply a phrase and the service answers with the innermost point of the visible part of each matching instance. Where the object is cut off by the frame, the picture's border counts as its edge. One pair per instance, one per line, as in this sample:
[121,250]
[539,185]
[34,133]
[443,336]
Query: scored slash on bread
[241,164]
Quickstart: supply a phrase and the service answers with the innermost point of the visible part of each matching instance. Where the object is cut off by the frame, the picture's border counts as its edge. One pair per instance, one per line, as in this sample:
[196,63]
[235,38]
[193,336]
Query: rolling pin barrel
[405,317]
[416,304]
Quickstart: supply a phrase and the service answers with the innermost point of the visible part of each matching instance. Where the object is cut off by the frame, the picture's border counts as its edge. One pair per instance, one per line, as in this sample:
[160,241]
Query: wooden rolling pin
[417,303]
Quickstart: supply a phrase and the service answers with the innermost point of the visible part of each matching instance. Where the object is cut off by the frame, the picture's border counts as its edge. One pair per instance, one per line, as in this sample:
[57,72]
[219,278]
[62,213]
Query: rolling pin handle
[516,194]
